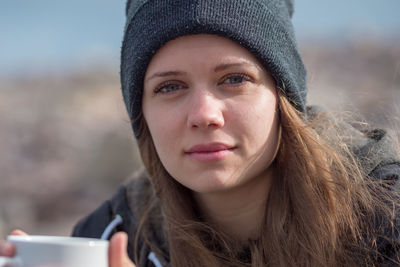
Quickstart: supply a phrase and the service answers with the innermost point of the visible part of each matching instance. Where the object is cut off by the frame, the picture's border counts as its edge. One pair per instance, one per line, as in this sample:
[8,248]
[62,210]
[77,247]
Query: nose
[205,110]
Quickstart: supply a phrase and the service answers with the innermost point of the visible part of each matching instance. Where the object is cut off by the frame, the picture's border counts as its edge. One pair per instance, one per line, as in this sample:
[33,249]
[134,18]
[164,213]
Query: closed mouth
[209,148]
[210,152]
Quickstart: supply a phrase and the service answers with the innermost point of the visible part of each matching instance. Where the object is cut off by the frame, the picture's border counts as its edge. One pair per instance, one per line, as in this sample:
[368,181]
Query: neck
[238,212]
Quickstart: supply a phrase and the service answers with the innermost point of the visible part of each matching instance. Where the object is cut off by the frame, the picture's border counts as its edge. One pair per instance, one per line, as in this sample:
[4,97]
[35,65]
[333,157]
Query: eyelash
[166,84]
[235,75]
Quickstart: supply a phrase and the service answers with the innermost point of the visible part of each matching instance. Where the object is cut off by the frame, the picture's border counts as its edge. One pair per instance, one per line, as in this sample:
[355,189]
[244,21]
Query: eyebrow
[225,66]
[166,73]
[218,68]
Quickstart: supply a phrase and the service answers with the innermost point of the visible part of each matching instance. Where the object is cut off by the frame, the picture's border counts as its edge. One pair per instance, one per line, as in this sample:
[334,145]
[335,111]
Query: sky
[47,34]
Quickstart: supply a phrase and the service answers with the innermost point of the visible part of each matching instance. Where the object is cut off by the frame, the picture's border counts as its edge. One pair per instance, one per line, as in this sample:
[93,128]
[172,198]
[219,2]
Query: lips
[209,151]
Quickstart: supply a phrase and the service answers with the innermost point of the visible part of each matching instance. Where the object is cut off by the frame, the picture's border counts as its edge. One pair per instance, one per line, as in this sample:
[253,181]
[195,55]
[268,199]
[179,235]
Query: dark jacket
[376,151]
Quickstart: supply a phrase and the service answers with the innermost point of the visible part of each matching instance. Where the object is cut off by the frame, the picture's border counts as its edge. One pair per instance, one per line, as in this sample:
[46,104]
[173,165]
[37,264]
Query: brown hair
[322,210]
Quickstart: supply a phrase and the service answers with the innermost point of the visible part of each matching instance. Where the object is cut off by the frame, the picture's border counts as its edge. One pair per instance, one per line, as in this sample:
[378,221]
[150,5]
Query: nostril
[205,110]
[215,120]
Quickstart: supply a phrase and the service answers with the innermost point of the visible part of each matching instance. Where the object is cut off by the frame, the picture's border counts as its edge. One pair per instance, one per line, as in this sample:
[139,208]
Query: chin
[211,185]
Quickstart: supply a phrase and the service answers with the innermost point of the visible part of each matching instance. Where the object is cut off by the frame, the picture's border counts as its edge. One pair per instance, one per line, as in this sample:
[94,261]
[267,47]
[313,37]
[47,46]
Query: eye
[235,79]
[168,87]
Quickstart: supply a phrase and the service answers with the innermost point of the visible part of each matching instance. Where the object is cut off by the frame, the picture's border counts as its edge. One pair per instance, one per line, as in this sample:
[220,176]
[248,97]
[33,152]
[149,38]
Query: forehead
[203,48]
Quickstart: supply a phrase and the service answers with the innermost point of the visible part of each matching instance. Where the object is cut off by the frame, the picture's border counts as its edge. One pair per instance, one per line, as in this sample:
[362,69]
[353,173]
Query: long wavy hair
[321,209]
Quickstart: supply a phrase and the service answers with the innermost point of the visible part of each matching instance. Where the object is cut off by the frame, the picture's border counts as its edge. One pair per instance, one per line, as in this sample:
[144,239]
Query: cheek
[260,128]
[264,131]
[259,118]
[165,136]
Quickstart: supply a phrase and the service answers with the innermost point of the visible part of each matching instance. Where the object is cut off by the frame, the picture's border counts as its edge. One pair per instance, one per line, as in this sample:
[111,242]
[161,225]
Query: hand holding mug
[40,251]
[35,251]
[7,249]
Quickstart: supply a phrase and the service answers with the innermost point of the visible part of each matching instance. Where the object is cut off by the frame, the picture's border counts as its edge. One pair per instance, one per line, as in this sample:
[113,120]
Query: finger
[7,249]
[117,252]
[18,232]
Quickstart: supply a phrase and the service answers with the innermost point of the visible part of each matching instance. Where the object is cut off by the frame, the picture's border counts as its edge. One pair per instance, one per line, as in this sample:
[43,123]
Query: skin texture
[203,89]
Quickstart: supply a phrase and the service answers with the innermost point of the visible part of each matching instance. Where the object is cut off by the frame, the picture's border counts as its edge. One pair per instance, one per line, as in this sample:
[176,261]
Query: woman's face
[211,109]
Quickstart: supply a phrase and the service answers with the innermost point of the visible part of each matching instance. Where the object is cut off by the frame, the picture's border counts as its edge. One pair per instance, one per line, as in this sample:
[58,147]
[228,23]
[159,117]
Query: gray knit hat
[262,26]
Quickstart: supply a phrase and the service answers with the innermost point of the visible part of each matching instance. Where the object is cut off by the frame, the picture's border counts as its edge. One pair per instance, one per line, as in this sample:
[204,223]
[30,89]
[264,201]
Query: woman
[239,172]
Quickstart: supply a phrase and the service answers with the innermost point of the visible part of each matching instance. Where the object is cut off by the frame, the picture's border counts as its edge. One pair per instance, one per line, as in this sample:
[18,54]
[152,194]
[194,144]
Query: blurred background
[65,138]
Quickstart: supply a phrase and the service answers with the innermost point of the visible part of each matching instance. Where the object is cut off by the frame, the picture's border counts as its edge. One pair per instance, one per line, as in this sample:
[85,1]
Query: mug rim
[58,240]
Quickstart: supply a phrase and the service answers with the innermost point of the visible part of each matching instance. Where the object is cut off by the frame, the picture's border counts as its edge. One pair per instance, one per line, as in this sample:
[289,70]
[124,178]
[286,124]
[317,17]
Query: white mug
[56,251]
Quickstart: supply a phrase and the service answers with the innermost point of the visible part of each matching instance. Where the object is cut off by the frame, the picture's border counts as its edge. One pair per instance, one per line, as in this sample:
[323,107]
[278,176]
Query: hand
[6,248]
[117,251]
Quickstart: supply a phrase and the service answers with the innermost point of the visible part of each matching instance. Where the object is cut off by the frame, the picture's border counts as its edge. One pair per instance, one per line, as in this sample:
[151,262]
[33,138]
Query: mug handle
[10,262]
